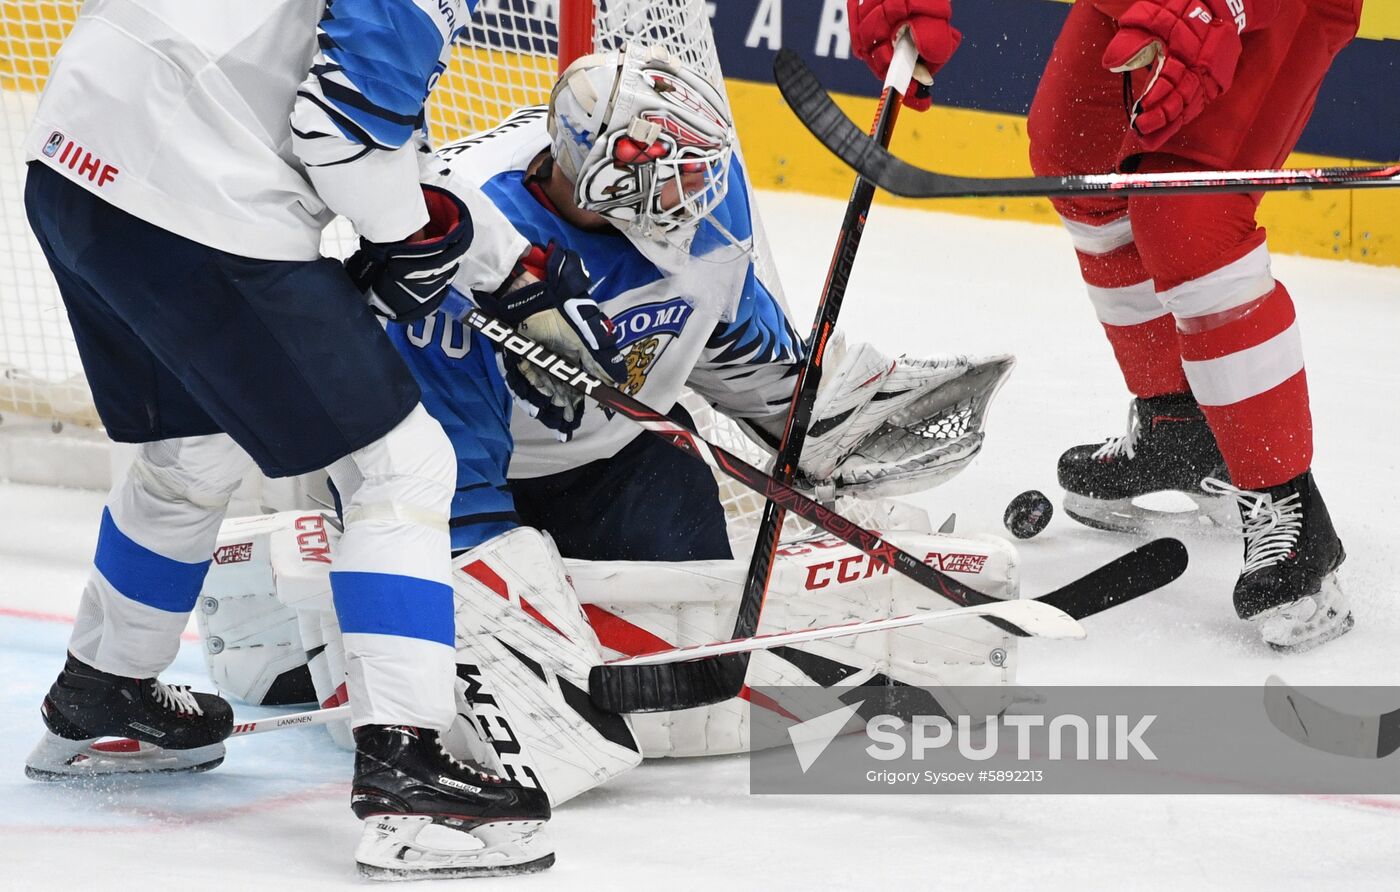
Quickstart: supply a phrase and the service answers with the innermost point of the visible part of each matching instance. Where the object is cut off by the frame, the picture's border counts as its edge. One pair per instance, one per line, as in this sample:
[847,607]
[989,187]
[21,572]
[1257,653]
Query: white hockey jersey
[247,125]
[700,317]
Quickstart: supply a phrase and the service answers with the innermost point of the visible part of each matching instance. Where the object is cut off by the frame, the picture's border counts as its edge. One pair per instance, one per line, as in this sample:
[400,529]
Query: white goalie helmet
[646,141]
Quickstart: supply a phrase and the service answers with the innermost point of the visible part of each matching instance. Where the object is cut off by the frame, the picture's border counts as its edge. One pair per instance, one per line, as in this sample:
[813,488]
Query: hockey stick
[1321,727]
[654,688]
[295,720]
[814,108]
[732,670]
[1033,619]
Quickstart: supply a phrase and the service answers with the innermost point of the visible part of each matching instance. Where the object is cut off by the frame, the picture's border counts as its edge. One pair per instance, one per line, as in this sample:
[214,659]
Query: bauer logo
[54,143]
[891,734]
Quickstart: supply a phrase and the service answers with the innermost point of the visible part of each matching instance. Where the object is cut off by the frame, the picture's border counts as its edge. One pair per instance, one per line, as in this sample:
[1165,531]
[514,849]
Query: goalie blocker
[527,638]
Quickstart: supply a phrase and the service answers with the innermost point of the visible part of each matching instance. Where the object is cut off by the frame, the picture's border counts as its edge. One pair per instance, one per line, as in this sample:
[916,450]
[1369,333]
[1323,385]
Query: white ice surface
[276,814]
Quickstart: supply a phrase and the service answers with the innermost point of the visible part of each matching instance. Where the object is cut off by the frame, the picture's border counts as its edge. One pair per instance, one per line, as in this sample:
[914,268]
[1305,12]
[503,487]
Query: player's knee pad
[815,582]
[525,649]
[408,471]
[203,471]
[1183,238]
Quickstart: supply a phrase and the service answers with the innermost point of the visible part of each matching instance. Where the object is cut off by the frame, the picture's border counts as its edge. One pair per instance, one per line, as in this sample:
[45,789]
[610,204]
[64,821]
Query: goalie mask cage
[507,58]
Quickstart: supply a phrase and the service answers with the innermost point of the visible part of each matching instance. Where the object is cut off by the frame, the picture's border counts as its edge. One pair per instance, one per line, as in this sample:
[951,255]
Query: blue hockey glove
[555,309]
[406,281]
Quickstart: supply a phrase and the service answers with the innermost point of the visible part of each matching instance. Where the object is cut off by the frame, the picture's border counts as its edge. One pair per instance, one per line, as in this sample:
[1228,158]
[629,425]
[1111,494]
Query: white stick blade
[1318,726]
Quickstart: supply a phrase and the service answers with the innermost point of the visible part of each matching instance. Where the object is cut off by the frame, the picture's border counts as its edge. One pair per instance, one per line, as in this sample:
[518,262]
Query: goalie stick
[653,688]
[815,109]
[294,720]
[1034,619]
[1142,570]
[1321,727]
[730,671]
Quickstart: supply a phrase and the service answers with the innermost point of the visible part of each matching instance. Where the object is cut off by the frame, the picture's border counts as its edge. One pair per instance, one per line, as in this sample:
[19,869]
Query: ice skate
[1288,585]
[1168,447]
[430,816]
[165,727]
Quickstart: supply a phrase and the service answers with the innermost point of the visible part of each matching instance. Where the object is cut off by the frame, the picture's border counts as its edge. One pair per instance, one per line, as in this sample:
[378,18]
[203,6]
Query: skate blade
[420,847]
[59,759]
[1213,514]
[1330,618]
[1346,625]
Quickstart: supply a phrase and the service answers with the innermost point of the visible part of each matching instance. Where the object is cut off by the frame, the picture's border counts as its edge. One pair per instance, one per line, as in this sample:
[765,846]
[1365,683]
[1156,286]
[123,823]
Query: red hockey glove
[1187,50]
[876,23]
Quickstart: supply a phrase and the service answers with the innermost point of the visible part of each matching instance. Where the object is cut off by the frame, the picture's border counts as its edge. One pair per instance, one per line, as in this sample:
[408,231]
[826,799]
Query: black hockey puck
[1028,514]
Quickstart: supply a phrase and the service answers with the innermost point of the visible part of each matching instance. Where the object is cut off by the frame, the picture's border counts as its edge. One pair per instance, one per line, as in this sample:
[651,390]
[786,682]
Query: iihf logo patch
[54,143]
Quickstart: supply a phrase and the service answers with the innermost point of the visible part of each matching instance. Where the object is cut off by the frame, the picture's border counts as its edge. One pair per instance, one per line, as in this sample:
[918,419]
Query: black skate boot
[428,815]
[1168,446]
[1288,585]
[165,727]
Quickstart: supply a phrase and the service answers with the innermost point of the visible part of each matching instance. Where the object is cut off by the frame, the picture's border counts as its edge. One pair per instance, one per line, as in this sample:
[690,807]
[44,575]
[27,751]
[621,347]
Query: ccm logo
[65,151]
[856,567]
[312,541]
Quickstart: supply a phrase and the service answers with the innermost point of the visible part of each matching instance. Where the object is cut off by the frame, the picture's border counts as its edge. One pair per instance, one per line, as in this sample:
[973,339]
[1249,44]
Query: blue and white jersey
[247,125]
[670,305]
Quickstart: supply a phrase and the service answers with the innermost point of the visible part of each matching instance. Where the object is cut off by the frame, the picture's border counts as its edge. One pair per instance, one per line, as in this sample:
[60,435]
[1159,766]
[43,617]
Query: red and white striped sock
[1141,331]
[1243,355]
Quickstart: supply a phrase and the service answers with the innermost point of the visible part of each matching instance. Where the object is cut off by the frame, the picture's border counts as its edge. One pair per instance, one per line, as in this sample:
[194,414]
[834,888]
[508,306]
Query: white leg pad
[524,652]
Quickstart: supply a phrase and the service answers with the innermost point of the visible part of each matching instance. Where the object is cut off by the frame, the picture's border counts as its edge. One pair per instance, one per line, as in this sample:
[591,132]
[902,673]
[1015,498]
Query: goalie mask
[646,141]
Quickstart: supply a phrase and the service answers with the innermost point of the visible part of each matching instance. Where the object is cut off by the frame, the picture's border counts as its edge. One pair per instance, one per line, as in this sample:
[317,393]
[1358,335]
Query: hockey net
[508,58]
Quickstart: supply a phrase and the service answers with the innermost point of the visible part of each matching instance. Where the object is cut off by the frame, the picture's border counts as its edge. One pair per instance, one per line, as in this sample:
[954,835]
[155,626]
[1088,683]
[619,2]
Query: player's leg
[1077,125]
[1240,342]
[524,648]
[156,536]
[288,360]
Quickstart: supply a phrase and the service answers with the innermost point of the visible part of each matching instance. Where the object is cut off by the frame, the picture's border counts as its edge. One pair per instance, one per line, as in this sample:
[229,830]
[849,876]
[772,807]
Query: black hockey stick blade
[815,109]
[1329,730]
[1142,570]
[663,687]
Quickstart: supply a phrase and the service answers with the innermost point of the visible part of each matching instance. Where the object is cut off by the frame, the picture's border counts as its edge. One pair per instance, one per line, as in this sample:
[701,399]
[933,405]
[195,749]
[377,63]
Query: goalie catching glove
[885,427]
[554,308]
[408,280]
